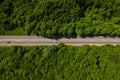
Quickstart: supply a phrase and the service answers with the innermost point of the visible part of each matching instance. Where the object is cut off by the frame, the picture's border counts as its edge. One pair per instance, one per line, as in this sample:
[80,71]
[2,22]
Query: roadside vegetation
[60,63]
[60,17]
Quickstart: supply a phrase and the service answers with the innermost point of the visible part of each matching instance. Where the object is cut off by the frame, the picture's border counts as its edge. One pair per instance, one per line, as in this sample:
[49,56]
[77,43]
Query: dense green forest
[60,63]
[60,17]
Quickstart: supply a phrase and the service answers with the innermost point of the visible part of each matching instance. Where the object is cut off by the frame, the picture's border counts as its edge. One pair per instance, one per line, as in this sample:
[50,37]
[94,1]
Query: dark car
[8,42]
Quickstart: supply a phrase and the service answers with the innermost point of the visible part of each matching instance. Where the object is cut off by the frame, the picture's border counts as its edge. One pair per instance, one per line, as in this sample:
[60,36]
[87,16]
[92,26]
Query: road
[35,41]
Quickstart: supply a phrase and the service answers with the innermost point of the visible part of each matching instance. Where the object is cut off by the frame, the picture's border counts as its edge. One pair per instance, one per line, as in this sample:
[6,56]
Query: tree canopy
[60,63]
[61,17]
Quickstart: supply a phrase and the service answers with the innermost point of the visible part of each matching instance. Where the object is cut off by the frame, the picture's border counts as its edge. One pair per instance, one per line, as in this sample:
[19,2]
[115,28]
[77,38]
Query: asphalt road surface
[35,41]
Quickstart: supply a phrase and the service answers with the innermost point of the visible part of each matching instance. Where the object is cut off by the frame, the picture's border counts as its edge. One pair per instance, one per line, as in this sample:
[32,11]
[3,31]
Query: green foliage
[61,17]
[60,63]
[16,31]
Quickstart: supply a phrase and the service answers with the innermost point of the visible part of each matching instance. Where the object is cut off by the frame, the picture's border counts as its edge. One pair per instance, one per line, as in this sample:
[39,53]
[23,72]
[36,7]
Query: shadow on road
[69,37]
[59,37]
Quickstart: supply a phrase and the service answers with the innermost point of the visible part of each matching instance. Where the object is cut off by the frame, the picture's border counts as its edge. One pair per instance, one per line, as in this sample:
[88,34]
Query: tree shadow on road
[74,36]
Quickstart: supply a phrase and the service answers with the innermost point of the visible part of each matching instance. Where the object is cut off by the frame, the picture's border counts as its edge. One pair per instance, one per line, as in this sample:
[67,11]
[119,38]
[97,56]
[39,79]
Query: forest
[60,62]
[60,17]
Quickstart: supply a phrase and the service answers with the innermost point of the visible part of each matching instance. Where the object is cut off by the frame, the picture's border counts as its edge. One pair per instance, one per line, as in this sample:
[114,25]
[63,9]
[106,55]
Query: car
[8,42]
